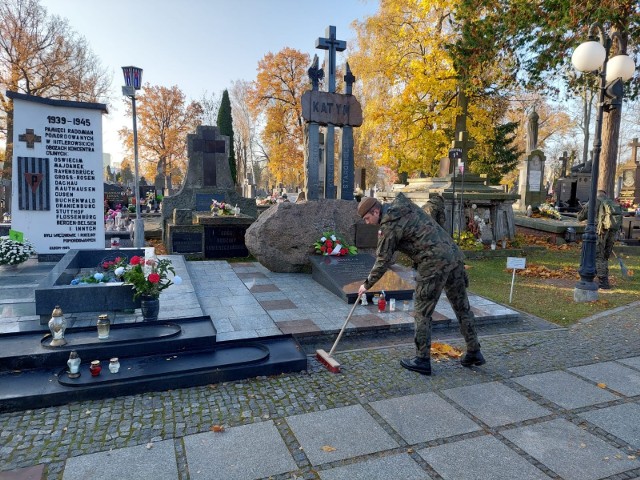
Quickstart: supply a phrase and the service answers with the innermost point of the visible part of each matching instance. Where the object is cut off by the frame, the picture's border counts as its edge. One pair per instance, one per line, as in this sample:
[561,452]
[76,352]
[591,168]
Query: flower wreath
[332,244]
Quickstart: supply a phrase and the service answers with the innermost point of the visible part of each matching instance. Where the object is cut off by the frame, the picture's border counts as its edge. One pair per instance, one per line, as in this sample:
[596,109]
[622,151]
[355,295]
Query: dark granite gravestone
[344,275]
[208,177]
[115,195]
[225,241]
[186,242]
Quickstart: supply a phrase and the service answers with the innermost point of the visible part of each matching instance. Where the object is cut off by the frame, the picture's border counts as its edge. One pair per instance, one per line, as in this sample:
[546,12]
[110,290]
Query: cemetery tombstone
[114,195]
[188,224]
[630,174]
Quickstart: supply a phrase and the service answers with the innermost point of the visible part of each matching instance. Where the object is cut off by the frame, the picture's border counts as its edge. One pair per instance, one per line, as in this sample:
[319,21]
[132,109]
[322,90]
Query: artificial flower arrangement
[266,201]
[548,210]
[13,252]
[221,208]
[148,276]
[332,244]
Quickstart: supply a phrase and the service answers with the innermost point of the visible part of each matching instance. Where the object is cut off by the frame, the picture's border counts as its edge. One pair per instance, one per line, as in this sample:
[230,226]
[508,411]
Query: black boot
[603,283]
[472,359]
[417,364]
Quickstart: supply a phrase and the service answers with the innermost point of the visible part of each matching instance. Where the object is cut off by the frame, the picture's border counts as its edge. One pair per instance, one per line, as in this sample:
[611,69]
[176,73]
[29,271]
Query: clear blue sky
[199,45]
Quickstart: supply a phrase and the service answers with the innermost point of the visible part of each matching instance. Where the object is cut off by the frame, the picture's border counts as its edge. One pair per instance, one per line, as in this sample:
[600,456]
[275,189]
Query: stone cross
[332,45]
[31,138]
[634,150]
[564,158]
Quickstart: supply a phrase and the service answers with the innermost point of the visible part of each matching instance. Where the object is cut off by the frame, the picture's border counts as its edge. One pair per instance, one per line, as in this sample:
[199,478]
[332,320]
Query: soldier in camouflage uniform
[435,208]
[439,265]
[605,239]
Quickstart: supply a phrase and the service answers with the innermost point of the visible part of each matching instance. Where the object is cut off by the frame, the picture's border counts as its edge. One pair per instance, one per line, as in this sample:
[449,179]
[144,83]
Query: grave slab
[424,417]
[350,430]
[623,421]
[565,390]
[495,404]
[616,376]
[570,451]
[344,275]
[249,451]
[393,466]
[484,457]
[157,462]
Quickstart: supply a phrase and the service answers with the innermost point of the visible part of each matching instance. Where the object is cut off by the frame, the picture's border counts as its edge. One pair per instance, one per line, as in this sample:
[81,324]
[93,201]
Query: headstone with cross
[331,45]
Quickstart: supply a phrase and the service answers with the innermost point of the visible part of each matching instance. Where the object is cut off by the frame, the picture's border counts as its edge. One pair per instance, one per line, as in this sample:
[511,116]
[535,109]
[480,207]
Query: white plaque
[58,190]
[516,263]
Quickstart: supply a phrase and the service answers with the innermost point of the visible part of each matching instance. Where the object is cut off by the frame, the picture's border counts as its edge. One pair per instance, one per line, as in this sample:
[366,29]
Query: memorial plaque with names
[186,242]
[203,201]
[225,241]
[344,275]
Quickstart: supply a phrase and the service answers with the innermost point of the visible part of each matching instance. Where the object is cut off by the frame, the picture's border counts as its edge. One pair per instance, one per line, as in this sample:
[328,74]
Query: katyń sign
[327,108]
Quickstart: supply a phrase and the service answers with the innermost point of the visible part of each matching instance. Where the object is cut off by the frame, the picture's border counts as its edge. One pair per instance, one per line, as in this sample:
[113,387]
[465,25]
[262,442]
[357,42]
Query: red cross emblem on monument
[30,137]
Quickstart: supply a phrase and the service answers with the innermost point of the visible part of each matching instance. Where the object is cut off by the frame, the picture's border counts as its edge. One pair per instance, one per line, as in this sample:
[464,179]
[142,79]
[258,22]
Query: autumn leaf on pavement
[443,350]
[217,428]
[602,385]
[328,448]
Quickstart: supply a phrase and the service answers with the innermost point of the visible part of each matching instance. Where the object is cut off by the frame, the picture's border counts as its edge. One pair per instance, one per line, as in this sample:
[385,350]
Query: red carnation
[323,248]
[343,251]
[154,278]
[135,260]
[329,244]
[105,265]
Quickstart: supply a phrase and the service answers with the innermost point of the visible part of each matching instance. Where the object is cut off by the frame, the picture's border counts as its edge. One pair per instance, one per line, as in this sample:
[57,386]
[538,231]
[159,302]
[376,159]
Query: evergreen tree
[504,154]
[225,126]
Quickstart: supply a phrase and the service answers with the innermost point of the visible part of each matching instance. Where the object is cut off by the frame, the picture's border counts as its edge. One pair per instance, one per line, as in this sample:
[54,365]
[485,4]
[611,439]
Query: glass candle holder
[104,327]
[74,365]
[114,365]
[95,368]
[392,304]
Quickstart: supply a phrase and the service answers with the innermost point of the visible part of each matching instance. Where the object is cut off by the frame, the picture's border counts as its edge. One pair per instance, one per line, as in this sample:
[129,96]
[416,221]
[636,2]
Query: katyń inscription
[57,173]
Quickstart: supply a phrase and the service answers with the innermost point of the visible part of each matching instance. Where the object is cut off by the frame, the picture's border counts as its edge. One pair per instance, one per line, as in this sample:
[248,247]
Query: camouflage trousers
[604,246]
[428,292]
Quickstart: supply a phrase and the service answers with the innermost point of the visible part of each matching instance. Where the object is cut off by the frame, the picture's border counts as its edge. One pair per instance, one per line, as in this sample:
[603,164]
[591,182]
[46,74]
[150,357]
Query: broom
[325,358]
[623,267]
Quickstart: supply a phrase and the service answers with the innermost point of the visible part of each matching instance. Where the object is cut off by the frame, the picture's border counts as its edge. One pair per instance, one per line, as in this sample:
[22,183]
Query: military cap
[365,205]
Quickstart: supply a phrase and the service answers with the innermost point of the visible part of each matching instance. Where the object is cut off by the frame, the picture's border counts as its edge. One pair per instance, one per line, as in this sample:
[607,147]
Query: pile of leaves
[541,271]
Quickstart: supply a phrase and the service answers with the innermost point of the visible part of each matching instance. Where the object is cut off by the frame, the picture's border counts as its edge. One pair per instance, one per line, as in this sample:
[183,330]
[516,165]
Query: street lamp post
[133,80]
[593,56]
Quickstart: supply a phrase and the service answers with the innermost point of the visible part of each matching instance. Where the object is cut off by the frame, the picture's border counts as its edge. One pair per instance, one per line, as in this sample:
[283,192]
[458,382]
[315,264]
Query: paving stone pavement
[560,403]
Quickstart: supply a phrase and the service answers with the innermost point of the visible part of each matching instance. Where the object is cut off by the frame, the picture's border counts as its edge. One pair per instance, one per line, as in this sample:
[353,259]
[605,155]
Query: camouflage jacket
[435,208]
[407,228]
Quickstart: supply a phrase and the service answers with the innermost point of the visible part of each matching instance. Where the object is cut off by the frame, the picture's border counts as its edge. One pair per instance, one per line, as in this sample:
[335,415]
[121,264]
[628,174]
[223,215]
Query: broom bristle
[329,362]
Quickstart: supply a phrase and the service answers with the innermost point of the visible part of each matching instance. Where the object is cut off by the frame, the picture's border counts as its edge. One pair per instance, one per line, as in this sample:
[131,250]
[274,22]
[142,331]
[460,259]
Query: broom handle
[335,344]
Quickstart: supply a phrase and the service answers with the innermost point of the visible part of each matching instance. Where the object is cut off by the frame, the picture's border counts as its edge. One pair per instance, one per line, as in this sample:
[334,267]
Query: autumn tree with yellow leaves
[164,120]
[414,59]
[41,55]
[274,100]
